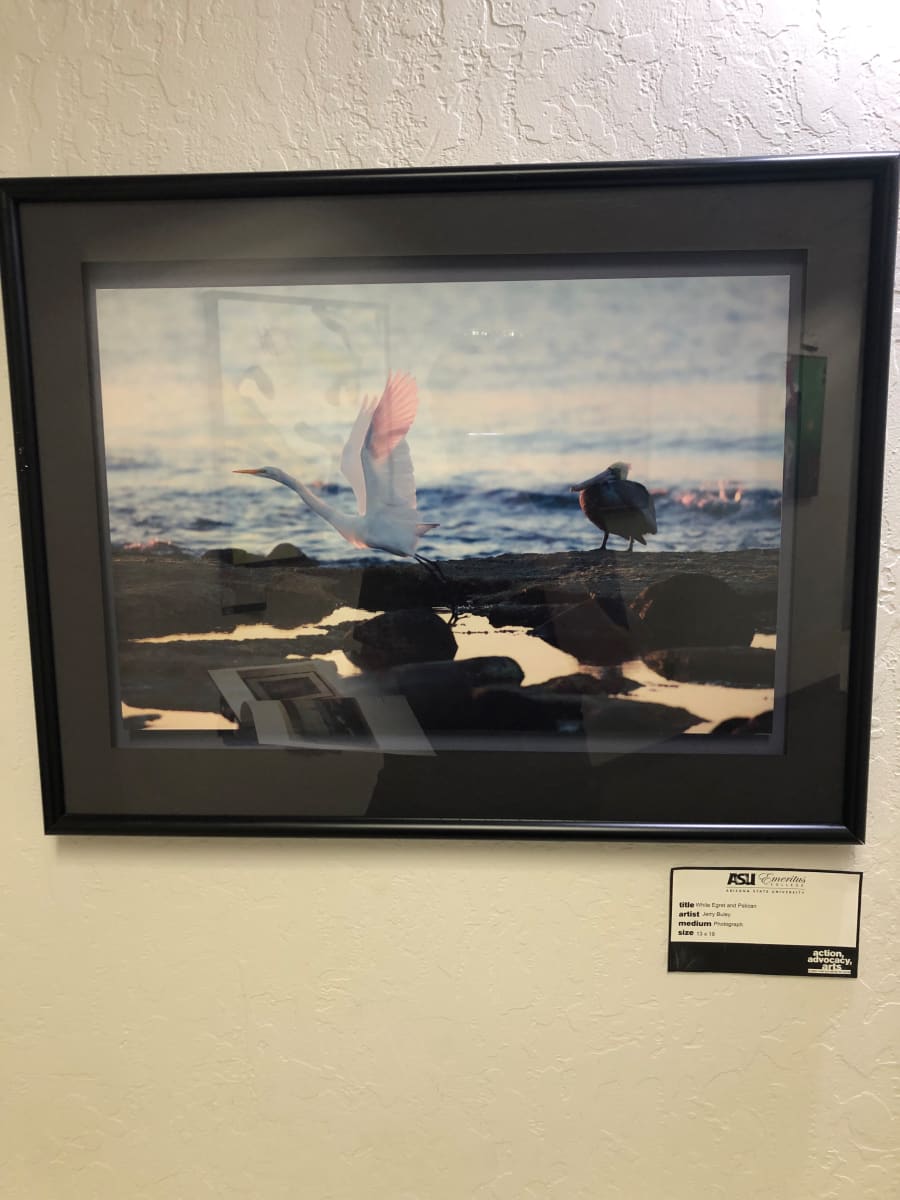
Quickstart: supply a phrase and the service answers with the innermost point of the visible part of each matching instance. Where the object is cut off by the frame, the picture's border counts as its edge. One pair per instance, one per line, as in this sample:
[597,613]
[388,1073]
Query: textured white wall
[338,1020]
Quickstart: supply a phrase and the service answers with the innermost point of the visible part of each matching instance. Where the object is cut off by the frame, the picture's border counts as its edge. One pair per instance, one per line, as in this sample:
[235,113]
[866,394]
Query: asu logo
[741,878]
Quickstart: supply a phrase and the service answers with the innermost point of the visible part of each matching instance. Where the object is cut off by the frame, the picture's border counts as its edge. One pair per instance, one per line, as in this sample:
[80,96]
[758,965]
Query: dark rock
[528,615]
[761,609]
[490,669]
[731,666]
[587,632]
[388,587]
[758,726]
[547,594]
[518,710]
[609,682]
[532,710]
[615,609]
[406,636]
[554,599]
[283,555]
[439,693]
[484,583]
[691,610]
[232,556]
[638,718]
[487,671]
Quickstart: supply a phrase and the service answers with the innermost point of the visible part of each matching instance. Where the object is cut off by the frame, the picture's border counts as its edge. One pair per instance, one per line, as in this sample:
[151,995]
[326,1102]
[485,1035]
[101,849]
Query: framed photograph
[512,501]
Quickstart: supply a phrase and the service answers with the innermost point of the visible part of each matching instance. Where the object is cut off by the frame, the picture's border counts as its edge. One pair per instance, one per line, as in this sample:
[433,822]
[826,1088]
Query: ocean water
[525,387]
[148,503]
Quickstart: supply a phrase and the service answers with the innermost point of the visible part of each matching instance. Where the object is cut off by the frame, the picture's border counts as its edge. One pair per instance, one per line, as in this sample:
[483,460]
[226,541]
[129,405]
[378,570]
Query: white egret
[616,504]
[378,466]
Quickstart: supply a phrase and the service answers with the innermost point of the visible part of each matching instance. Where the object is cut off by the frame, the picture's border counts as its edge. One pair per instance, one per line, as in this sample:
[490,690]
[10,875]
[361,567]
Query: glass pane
[587,455]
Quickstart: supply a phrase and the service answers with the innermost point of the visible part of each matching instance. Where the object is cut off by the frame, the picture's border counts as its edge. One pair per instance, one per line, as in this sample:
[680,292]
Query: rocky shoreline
[168,591]
[690,616]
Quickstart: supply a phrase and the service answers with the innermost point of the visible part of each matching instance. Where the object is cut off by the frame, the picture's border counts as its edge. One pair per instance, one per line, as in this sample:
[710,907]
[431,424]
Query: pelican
[616,505]
[378,466]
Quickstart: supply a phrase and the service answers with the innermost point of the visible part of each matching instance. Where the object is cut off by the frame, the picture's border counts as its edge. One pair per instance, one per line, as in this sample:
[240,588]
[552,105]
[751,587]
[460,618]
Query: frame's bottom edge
[447,827]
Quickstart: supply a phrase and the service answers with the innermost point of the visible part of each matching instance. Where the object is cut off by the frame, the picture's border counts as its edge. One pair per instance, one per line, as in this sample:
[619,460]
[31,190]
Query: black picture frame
[828,224]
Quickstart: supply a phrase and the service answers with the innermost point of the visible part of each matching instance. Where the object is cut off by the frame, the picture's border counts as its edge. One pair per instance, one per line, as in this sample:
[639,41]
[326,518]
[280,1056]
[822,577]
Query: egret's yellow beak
[245,471]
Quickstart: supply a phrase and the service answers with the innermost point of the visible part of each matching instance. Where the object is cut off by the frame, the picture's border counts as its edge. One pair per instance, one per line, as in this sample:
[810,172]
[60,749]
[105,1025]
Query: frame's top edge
[865,165]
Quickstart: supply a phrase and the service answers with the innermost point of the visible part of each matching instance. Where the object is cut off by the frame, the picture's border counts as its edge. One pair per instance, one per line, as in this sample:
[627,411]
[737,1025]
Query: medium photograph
[545,504]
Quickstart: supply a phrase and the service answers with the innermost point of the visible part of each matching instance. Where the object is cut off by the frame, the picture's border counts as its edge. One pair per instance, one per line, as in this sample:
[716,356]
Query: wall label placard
[765,921]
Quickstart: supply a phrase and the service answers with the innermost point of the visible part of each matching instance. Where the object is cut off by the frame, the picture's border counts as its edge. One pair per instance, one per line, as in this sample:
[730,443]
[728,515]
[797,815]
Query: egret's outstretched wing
[386,460]
[351,455]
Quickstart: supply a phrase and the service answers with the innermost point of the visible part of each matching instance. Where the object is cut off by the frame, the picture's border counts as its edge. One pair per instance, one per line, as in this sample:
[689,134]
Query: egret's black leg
[630,544]
[433,569]
[605,539]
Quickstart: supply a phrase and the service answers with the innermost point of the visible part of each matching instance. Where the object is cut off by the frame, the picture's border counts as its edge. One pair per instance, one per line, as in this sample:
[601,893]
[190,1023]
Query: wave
[722,442]
[718,501]
[131,462]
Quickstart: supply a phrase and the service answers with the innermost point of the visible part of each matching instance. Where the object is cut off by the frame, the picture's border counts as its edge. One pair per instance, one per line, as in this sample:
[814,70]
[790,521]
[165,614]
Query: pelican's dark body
[617,505]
